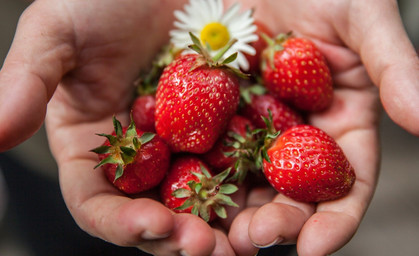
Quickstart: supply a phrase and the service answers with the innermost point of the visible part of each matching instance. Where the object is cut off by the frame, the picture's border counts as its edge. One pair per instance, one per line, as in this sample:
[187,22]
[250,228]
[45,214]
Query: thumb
[38,58]
[390,60]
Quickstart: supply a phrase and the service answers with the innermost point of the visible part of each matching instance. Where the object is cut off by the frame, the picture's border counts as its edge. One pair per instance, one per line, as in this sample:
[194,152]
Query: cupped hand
[370,58]
[80,58]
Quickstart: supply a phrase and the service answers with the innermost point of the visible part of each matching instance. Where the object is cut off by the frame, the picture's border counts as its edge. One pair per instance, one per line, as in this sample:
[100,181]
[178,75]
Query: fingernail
[274,242]
[183,253]
[151,236]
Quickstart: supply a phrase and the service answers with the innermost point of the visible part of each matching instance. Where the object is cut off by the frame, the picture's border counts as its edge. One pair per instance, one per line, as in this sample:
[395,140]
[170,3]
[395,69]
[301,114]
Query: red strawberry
[259,46]
[190,188]
[142,112]
[231,147]
[283,116]
[144,105]
[133,160]
[196,97]
[296,72]
[308,165]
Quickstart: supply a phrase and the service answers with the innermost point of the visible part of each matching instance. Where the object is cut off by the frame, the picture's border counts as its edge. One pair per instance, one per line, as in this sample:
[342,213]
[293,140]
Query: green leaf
[188,203]
[204,213]
[136,142]
[112,139]
[131,130]
[128,157]
[273,136]
[230,59]
[101,150]
[237,137]
[119,172]
[192,184]
[146,137]
[181,193]
[195,48]
[109,160]
[228,189]
[246,96]
[219,178]
[220,211]
[236,145]
[266,156]
[269,41]
[258,130]
[266,121]
[257,89]
[223,50]
[195,210]
[194,39]
[117,127]
[128,151]
[205,171]
[229,153]
[223,199]
[200,176]
[198,187]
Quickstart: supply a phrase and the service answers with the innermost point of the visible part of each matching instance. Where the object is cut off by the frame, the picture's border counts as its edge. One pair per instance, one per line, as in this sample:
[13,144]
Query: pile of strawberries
[208,127]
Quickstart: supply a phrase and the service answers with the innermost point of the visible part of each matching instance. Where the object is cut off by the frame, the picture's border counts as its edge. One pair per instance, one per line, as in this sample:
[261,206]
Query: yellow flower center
[216,35]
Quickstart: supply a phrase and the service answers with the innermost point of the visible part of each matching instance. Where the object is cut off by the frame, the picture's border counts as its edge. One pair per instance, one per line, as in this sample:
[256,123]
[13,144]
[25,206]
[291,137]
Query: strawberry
[133,160]
[283,116]
[231,149]
[306,164]
[259,46]
[294,70]
[196,97]
[189,187]
[142,112]
[144,105]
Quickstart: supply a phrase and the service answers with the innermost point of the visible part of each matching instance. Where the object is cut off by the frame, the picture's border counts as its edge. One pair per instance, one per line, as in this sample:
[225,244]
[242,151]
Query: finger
[390,59]
[278,222]
[100,210]
[239,233]
[191,236]
[259,196]
[336,221]
[222,245]
[239,197]
[34,65]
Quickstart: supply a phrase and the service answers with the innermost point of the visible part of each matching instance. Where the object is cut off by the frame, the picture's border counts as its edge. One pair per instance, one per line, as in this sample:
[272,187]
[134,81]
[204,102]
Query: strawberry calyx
[251,149]
[246,92]
[209,193]
[266,137]
[215,61]
[274,45]
[146,83]
[123,147]
[244,151]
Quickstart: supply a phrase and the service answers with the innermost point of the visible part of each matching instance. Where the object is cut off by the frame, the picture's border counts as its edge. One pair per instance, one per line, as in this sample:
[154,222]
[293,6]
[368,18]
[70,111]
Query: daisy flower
[215,28]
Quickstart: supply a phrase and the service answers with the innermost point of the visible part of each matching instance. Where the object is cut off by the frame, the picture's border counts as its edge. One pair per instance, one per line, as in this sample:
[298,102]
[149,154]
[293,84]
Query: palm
[94,50]
[352,120]
[109,53]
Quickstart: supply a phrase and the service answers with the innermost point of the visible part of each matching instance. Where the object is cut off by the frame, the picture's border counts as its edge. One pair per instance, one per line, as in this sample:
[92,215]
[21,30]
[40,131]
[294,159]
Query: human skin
[80,57]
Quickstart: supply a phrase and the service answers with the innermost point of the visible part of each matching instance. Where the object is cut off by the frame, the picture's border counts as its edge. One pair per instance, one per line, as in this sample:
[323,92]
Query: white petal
[249,38]
[230,13]
[243,33]
[181,16]
[246,49]
[219,9]
[242,62]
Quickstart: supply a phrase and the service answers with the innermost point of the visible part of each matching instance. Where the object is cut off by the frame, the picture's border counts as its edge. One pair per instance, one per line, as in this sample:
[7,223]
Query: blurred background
[36,221]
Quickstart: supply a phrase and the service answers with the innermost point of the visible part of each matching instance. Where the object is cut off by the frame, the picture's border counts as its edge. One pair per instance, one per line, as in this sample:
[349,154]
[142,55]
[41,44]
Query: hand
[362,40]
[93,50]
